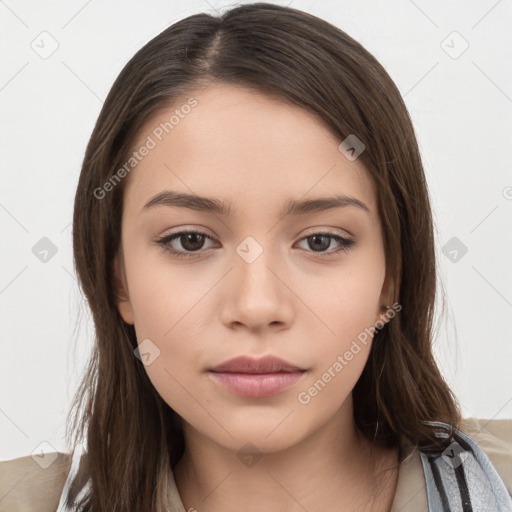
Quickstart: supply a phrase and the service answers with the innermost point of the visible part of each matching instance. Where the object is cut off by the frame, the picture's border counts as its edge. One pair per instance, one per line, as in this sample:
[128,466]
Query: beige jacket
[26,487]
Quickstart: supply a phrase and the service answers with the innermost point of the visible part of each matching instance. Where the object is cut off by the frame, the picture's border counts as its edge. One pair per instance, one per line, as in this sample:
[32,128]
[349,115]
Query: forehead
[238,142]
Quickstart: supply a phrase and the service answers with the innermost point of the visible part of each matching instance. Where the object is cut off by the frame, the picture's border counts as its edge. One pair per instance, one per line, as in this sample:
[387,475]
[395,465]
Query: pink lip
[265,364]
[260,377]
[256,384]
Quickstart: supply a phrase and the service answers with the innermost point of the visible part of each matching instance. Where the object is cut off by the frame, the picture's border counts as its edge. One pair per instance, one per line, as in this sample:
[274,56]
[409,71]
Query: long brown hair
[133,437]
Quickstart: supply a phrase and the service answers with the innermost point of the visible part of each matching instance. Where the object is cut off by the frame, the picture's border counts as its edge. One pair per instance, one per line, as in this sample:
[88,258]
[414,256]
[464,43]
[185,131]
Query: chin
[251,441]
[266,431]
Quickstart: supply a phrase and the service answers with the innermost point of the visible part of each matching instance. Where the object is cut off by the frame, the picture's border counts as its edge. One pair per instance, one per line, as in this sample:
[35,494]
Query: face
[252,280]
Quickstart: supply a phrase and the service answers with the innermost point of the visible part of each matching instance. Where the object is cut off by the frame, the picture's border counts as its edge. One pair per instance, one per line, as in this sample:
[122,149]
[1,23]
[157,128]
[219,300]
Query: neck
[333,469]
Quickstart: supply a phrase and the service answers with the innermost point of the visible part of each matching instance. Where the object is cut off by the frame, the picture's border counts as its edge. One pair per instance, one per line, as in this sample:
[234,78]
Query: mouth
[256,378]
[265,364]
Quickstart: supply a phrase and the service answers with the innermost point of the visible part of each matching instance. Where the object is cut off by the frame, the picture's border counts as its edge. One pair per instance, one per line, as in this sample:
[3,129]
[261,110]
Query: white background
[461,108]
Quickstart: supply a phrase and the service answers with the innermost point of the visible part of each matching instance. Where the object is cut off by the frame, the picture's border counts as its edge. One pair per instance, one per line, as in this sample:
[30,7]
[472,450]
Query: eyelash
[163,242]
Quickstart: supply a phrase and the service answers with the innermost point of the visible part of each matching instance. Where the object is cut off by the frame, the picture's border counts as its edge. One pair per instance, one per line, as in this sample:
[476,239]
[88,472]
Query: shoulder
[27,485]
[494,437]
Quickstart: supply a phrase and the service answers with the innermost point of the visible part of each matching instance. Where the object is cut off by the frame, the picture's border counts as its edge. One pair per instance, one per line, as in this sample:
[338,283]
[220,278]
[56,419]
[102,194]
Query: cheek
[344,306]
[345,319]
[169,312]
[338,366]
[163,296]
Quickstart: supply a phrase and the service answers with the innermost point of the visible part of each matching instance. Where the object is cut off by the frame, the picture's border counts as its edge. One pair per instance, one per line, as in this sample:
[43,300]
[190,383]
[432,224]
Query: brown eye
[320,242]
[190,241]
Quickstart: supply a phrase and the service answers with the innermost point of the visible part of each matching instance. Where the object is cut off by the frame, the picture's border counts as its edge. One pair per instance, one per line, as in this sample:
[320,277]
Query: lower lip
[256,385]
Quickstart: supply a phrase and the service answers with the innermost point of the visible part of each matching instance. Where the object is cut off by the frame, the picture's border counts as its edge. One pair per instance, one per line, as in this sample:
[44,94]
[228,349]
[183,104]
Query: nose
[258,294]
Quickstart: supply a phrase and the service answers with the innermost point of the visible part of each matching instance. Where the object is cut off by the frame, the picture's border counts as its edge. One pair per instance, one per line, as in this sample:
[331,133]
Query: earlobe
[121,290]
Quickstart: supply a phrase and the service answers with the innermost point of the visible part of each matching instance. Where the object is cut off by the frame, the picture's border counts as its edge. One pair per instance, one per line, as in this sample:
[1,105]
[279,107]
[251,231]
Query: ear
[121,290]
[386,299]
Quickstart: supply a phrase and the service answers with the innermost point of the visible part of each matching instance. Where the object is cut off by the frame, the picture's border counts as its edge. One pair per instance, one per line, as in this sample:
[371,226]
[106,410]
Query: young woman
[253,233]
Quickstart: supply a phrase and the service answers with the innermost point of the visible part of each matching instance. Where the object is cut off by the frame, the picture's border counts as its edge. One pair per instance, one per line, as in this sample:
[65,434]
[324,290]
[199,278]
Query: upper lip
[266,364]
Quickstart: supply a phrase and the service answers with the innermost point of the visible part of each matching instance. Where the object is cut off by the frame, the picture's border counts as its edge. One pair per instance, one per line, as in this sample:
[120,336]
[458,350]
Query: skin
[256,152]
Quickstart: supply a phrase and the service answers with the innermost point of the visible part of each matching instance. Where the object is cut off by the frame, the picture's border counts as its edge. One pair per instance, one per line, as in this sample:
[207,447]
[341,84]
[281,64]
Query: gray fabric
[462,478]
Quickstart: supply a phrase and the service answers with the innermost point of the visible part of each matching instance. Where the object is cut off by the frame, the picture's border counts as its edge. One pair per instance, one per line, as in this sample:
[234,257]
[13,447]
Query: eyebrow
[211,205]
